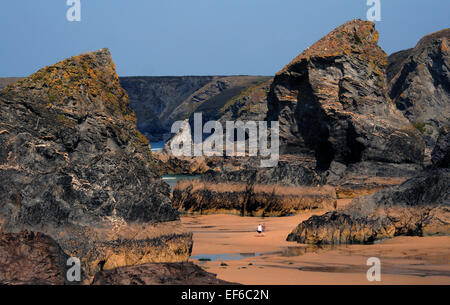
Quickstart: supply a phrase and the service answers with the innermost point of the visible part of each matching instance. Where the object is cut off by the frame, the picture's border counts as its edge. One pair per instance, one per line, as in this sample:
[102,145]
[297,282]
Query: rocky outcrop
[441,153]
[198,197]
[159,274]
[29,258]
[160,101]
[74,166]
[332,102]
[418,207]
[420,84]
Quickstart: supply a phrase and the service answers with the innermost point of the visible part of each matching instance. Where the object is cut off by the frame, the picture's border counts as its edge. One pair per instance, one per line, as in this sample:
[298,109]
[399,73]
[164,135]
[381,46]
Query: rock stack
[332,102]
[74,167]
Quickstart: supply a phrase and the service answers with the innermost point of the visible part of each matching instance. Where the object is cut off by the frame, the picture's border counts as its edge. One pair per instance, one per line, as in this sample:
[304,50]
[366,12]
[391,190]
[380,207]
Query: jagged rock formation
[419,81]
[159,274]
[160,101]
[332,102]
[74,166]
[31,258]
[419,207]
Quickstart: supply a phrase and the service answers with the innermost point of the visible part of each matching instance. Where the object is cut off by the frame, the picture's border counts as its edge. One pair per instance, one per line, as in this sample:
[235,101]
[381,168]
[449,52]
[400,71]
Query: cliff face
[155,98]
[74,166]
[160,101]
[418,207]
[332,102]
[420,84]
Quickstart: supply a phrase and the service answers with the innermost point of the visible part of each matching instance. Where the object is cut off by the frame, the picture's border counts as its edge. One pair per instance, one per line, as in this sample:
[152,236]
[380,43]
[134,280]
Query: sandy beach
[229,246]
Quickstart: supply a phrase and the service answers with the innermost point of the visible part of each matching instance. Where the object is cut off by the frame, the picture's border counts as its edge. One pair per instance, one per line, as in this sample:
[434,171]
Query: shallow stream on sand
[229,246]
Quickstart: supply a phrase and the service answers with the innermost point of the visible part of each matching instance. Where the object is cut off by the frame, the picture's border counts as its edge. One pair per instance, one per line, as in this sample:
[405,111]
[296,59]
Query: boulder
[332,102]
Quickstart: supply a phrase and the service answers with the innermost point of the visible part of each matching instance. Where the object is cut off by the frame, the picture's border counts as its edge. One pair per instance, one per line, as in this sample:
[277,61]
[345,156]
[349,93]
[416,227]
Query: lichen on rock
[332,102]
[74,166]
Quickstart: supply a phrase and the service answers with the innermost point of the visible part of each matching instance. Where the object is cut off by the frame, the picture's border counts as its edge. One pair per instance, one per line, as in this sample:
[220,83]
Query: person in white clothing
[259,230]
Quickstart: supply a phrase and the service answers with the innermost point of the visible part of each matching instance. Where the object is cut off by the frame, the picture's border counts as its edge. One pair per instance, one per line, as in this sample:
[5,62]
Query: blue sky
[197,37]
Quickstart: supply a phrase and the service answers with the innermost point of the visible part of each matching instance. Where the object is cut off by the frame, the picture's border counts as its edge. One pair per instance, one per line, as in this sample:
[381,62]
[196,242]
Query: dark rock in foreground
[418,207]
[332,102]
[74,166]
[420,84]
[159,274]
[31,258]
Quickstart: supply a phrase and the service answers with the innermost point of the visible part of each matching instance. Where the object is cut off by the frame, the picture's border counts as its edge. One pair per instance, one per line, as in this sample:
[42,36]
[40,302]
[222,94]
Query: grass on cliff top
[198,185]
[246,92]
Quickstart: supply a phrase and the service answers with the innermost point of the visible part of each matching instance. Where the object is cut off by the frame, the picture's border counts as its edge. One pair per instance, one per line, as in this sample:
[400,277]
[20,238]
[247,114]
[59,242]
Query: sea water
[157,146]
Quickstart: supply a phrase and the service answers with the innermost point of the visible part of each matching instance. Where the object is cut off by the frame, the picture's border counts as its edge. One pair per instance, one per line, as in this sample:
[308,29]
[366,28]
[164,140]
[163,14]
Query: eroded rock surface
[332,102]
[198,197]
[29,258]
[441,153]
[74,166]
[420,84]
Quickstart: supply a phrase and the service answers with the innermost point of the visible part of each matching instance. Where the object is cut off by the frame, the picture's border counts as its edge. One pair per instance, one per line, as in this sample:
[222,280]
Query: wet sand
[238,255]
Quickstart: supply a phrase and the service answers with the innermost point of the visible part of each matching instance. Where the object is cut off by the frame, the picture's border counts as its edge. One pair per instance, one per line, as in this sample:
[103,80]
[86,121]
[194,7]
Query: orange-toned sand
[404,260]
